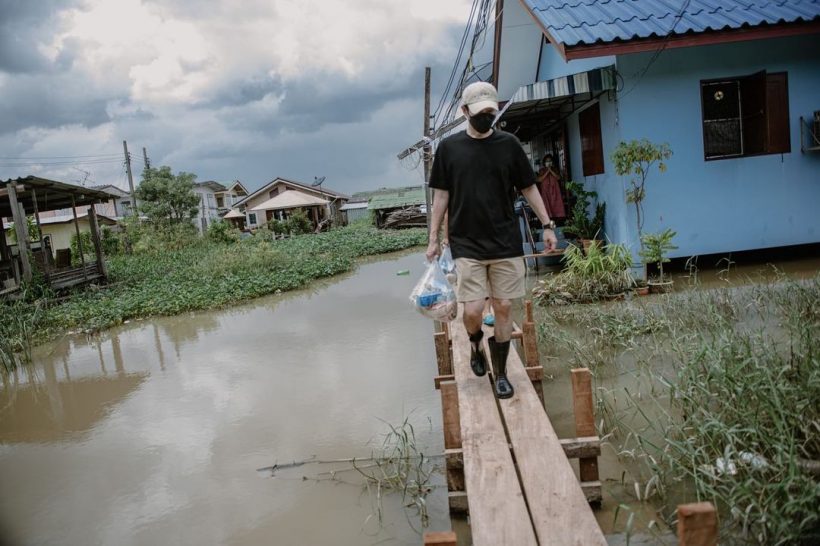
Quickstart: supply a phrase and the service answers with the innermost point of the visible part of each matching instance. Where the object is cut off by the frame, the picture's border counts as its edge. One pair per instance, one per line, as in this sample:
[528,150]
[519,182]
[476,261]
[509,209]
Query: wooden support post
[454,460]
[19,218]
[450,415]
[697,524]
[457,500]
[440,538]
[439,379]
[46,257]
[530,339]
[445,327]
[443,360]
[79,237]
[95,238]
[584,419]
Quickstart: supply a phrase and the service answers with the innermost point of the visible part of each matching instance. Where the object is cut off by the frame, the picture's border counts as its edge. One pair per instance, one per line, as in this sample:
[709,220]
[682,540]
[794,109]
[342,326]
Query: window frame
[739,80]
[592,166]
[254,221]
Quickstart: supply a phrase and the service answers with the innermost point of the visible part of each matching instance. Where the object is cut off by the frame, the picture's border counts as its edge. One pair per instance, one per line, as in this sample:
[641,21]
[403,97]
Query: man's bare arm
[441,199]
[533,197]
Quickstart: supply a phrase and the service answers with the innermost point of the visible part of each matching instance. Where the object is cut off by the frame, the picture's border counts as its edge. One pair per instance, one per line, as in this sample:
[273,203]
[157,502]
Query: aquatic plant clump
[600,273]
[205,274]
[732,416]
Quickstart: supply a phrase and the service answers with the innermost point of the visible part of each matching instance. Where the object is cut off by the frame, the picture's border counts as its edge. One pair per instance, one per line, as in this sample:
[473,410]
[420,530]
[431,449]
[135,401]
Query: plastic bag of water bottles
[434,296]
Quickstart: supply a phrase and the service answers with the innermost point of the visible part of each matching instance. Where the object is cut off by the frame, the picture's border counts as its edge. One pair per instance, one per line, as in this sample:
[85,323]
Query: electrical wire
[480,26]
[457,60]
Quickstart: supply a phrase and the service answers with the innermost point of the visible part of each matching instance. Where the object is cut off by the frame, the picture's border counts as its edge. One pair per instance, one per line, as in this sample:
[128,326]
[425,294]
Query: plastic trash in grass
[433,296]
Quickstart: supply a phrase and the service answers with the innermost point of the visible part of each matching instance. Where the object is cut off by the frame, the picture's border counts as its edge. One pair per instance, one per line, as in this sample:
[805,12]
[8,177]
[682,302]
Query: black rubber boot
[478,361]
[498,355]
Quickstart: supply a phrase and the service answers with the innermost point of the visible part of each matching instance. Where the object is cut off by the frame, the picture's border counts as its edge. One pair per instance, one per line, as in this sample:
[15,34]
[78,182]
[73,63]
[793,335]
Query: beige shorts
[479,279]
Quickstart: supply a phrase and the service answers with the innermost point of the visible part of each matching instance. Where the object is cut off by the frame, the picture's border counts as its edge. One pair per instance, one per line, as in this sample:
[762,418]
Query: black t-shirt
[481,175]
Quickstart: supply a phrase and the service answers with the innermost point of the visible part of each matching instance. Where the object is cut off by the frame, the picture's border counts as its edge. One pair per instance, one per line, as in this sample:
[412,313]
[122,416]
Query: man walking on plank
[475,176]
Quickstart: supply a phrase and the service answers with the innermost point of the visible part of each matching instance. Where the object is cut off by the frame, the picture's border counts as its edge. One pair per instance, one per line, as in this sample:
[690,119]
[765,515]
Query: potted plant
[580,223]
[655,248]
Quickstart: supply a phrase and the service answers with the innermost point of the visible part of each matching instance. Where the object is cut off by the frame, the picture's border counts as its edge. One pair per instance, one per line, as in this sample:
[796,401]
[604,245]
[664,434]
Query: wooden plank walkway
[521,489]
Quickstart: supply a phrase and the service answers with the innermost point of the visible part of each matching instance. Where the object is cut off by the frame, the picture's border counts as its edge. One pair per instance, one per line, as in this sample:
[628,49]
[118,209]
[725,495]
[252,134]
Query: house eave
[639,45]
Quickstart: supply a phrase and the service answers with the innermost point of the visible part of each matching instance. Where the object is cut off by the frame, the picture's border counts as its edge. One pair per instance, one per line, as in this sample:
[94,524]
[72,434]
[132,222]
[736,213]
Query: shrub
[84,245]
[298,223]
[111,242]
[223,232]
[162,238]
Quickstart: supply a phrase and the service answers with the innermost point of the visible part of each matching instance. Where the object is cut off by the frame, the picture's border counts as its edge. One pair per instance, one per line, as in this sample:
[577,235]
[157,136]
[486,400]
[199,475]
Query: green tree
[167,198]
[636,159]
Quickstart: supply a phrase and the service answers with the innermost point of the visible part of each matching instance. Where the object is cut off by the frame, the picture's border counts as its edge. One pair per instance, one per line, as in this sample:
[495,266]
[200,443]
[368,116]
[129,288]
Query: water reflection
[152,433]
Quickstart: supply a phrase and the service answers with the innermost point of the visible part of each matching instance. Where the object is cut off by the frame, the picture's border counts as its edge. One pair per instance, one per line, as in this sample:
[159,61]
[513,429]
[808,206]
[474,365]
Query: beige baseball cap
[478,96]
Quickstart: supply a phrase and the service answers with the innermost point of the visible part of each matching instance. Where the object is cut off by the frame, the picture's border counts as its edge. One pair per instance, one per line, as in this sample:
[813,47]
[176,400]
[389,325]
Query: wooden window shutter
[753,112]
[592,150]
[777,99]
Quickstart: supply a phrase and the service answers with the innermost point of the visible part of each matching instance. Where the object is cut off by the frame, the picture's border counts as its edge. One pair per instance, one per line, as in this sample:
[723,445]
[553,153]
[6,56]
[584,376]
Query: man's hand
[433,249]
[550,241]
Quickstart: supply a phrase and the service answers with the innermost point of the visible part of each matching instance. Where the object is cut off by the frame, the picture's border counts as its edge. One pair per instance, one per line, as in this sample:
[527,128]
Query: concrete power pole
[145,158]
[130,178]
[427,150]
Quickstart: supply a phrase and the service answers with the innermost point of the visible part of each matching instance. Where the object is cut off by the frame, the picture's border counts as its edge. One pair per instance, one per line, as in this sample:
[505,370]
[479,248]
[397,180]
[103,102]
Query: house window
[592,151]
[745,116]
[251,218]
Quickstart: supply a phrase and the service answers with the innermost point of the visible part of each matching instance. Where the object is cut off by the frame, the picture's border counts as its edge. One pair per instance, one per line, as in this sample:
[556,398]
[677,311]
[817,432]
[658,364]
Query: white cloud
[213,88]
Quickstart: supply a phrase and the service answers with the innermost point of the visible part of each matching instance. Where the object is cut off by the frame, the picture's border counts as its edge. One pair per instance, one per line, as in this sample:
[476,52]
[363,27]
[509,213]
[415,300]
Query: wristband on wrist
[549,225]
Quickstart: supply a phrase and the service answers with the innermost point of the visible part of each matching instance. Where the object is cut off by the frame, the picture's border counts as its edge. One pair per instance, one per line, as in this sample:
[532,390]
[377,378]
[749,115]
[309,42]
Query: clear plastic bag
[448,265]
[433,296]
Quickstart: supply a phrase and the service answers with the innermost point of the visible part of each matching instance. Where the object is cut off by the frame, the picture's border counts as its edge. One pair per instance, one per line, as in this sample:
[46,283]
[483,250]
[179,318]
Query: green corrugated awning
[404,198]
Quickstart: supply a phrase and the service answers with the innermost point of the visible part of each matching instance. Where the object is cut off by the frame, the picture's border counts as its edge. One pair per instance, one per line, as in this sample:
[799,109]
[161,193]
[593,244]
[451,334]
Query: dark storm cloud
[40,102]
[311,104]
[24,24]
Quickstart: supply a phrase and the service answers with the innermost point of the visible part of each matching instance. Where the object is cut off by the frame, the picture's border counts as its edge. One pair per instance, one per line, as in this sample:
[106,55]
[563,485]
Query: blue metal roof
[577,22]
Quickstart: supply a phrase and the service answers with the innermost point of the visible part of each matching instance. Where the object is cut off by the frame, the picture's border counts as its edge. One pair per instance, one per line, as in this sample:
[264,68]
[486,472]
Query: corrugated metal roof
[403,198]
[576,22]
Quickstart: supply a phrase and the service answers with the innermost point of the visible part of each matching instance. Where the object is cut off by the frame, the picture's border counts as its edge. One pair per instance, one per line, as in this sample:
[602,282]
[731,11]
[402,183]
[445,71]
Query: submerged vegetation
[721,403]
[396,467]
[171,272]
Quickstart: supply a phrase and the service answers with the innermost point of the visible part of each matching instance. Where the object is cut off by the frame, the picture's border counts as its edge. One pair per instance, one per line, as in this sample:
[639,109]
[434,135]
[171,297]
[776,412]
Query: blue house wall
[715,206]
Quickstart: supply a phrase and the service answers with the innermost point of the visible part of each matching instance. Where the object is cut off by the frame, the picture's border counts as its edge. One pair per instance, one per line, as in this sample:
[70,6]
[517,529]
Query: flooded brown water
[152,433]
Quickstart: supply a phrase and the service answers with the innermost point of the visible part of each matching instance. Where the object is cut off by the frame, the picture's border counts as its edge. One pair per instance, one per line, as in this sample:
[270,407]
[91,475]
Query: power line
[49,157]
[11,164]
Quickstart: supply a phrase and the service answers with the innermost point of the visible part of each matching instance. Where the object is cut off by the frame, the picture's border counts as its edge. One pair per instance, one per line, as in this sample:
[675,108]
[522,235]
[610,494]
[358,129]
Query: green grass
[694,384]
[208,275]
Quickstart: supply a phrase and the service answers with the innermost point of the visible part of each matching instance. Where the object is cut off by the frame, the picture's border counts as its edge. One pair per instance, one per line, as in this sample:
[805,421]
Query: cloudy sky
[291,88]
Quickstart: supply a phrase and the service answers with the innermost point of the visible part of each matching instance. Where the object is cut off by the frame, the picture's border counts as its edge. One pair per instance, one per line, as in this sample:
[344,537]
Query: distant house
[731,86]
[208,211]
[355,210]
[233,193]
[59,230]
[388,200]
[280,197]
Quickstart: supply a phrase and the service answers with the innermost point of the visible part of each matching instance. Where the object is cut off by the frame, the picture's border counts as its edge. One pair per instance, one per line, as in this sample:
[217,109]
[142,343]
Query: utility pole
[427,150]
[145,158]
[130,178]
